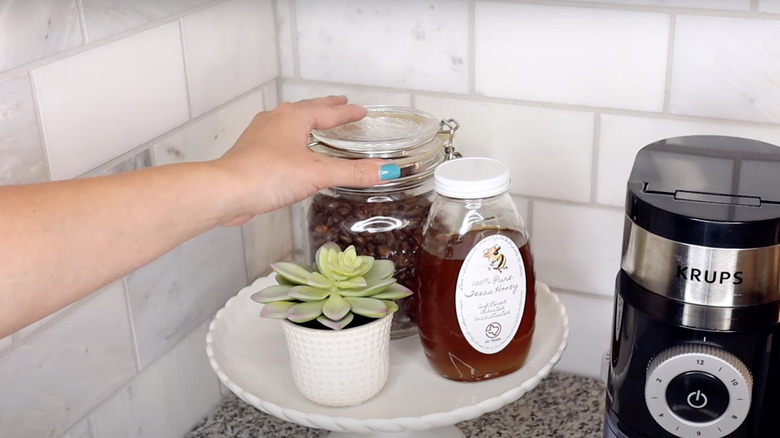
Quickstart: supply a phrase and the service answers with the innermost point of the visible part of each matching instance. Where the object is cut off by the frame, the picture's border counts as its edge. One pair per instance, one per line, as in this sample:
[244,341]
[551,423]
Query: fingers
[359,173]
[332,111]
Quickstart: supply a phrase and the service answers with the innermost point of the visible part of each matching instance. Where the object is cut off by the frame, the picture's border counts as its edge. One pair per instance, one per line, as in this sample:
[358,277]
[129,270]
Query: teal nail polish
[389,171]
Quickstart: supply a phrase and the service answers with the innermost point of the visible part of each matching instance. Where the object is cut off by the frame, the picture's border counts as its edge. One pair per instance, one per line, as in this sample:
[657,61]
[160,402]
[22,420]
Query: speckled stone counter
[561,406]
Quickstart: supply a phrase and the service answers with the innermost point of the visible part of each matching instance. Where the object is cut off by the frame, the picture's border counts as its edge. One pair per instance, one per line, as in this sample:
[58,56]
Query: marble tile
[176,293]
[81,430]
[267,239]
[577,247]
[727,68]
[140,160]
[211,136]
[295,91]
[33,30]
[770,6]
[271,94]
[230,49]
[167,399]
[54,379]
[104,18]
[592,57]
[20,144]
[549,151]
[730,5]
[622,137]
[104,102]
[421,45]
[590,326]
[5,342]
[284,16]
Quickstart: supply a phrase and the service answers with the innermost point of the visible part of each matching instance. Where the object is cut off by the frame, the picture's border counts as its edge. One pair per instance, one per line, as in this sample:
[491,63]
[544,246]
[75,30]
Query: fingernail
[389,171]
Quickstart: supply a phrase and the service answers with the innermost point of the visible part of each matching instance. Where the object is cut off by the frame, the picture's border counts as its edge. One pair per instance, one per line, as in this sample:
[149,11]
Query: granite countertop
[562,405]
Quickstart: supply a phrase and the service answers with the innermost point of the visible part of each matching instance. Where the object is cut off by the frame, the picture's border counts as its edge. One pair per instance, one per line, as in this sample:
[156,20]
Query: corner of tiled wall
[91,87]
[565,93]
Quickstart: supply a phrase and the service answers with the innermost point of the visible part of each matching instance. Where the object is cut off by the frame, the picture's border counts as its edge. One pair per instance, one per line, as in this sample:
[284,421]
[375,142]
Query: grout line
[472,51]
[669,63]
[36,100]
[293,11]
[594,163]
[185,69]
[581,294]
[82,21]
[627,6]
[133,335]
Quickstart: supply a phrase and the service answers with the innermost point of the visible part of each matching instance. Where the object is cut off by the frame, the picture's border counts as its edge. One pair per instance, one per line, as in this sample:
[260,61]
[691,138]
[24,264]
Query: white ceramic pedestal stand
[249,355]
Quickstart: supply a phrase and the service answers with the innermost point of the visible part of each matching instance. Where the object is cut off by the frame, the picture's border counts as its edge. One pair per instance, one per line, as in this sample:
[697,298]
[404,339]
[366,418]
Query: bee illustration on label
[496,260]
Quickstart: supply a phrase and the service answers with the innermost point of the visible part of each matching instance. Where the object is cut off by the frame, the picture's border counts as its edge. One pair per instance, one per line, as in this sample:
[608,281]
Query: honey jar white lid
[471,178]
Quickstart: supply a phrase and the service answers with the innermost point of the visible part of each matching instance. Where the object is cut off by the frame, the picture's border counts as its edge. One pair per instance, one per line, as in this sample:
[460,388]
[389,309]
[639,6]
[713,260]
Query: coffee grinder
[694,349]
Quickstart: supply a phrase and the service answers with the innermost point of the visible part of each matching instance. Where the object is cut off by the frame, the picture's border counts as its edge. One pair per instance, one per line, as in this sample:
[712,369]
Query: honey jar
[476,295]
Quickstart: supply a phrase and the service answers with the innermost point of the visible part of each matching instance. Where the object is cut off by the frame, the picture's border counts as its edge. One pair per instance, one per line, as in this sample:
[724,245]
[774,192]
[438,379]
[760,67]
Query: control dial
[696,391]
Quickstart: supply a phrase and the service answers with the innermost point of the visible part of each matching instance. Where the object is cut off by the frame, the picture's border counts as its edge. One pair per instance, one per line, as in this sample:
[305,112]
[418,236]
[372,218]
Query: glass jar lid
[384,132]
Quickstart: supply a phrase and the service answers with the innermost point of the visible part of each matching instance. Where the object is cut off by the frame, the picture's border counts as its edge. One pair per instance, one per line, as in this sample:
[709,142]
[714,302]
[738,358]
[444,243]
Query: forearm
[60,241]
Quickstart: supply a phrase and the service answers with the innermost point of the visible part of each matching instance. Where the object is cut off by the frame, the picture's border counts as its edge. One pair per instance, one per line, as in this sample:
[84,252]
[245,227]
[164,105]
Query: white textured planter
[340,367]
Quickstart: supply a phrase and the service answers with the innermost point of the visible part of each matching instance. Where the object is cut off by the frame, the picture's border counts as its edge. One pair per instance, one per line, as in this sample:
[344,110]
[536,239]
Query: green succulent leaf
[393,292]
[272,293]
[308,293]
[340,266]
[297,273]
[369,307]
[352,283]
[305,311]
[391,306]
[283,281]
[318,280]
[336,325]
[276,309]
[336,307]
[380,270]
[370,290]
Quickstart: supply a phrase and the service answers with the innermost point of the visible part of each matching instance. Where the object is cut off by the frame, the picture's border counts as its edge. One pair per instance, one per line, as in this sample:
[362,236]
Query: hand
[272,165]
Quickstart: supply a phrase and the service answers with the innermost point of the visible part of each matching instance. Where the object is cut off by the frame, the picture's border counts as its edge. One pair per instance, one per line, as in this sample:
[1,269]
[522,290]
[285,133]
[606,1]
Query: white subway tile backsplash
[622,137]
[579,56]
[577,247]
[410,44]
[167,398]
[267,239]
[590,325]
[211,136]
[33,30]
[20,145]
[770,6]
[5,343]
[51,381]
[101,103]
[174,294]
[104,18]
[549,151]
[726,67]
[292,92]
[284,11]
[731,5]
[80,430]
[230,49]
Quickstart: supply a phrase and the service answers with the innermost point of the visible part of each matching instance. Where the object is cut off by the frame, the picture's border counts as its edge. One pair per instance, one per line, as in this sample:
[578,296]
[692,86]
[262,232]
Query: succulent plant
[341,284]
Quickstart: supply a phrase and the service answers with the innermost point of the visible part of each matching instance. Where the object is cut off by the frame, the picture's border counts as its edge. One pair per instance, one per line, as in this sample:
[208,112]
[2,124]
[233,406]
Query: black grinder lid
[714,191]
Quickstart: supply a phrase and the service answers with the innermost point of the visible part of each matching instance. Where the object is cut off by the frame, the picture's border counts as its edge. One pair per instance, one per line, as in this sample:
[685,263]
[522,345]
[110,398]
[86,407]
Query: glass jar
[386,220]
[476,283]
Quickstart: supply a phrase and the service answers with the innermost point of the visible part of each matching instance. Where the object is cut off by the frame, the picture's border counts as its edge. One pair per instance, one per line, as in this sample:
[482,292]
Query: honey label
[490,294]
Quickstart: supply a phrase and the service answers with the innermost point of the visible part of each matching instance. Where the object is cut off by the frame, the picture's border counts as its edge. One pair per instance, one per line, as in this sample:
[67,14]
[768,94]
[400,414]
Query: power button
[697,396]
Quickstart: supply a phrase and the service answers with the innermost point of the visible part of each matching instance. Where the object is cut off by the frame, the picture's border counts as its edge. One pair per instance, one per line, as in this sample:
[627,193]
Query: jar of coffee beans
[384,221]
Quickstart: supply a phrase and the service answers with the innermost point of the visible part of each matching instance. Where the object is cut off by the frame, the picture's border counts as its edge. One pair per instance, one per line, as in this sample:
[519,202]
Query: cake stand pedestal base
[441,432]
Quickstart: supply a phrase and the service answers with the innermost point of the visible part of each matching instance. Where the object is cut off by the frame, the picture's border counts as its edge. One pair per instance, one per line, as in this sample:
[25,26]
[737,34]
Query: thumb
[360,173]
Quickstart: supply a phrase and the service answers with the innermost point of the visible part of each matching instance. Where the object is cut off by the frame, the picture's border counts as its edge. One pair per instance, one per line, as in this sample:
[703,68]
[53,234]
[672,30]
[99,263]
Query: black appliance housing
[695,347]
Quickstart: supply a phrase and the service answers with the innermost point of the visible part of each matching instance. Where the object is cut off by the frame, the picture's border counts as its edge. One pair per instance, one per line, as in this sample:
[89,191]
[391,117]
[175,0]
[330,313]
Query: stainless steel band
[719,277]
